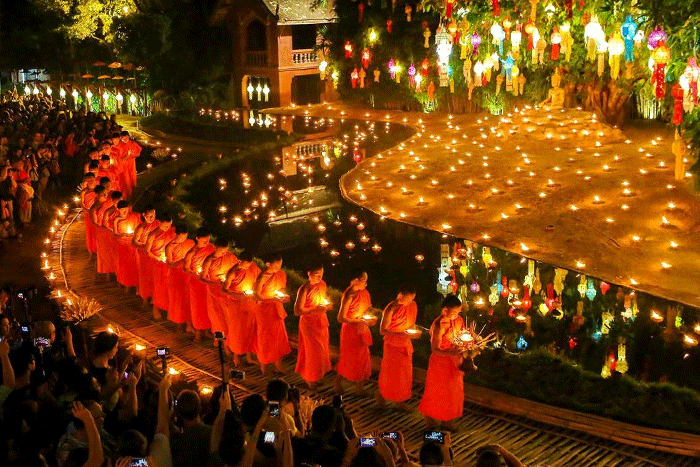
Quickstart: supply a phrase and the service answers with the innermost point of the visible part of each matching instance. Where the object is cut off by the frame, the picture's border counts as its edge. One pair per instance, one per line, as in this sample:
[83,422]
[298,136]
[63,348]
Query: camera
[337,401]
[274,408]
[368,442]
[162,351]
[268,437]
[237,375]
[391,435]
[434,437]
[139,462]
[218,335]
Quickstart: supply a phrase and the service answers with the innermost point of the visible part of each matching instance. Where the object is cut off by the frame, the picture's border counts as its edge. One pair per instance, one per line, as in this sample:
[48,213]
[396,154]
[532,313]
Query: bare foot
[157,314]
[403,407]
[263,369]
[449,426]
[236,360]
[338,385]
[252,359]
[197,335]
[279,367]
[189,329]
[380,400]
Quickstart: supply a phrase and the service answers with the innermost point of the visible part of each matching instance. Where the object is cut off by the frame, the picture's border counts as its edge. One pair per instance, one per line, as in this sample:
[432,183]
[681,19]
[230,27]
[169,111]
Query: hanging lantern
[408,9]
[452,29]
[443,42]
[391,65]
[616,46]
[678,94]
[105,95]
[476,42]
[389,25]
[250,90]
[661,56]
[496,8]
[590,290]
[62,93]
[556,39]
[541,46]
[569,5]
[656,37]
[692,73]
[567,40]
[418,79]
[629,31]
[322,66]
[464,41]
[593,33]
[499,36]
[604,287]
[266,92]
[360,12]
[515,41]
[515,73]
[478,73]
[449,4]
[354,76]
[529,30]
[88,94]
[411,73]
[425,66]
[348,49]
[49,91]
[365,58]
[27,89]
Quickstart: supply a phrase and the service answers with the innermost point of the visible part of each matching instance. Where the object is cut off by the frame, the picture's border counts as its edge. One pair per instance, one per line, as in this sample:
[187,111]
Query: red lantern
[661,55]
[604,287]
[529,29]
[556,41]
[448,8]
[360,11]
[569,5]
[526,303]
[354,76]
[505,291]
[496,8]
[389,25]
[348,49]
[425,66]
[365,58]
[677,94]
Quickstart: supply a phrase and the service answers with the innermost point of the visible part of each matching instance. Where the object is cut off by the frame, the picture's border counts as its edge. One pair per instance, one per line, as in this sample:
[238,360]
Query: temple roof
[286,11]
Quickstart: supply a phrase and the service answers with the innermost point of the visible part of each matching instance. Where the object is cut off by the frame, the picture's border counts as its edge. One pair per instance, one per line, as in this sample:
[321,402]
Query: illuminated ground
[556,187]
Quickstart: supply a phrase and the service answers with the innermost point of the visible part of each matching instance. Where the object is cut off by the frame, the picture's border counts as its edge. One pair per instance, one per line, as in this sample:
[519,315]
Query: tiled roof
[287,11]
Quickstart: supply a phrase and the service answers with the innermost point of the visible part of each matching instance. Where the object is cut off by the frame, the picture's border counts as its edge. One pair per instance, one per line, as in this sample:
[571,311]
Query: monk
[138,240]
[272,340]
[87,199]
[93,162]
[155,248]
[129,151]
[443,398]
[145,263]
[396,373]
[240,307]
[124,226]
[197,289]
[106,247]
[101,196]
[313,357]
[214,270]
[108,170]
[97,215]
[178,293]
[355,338]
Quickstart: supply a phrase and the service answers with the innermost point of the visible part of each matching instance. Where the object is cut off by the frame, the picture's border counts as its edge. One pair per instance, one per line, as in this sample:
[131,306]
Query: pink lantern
[656,37]
[476,42]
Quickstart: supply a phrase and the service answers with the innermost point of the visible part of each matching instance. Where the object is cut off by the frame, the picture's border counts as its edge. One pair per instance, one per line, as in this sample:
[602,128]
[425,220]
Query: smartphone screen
[274,409]
[391,434]
[269,437]
[434,436]
[138,462]
[368,442]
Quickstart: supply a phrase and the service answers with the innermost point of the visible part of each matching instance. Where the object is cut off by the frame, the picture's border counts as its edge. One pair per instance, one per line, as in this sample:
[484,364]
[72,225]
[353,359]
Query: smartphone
[125,375]
[162,351]
[42,342]
[138,462]
[237,375]
[368,442]
[390,434]
[218,335]
[24,329]
[337,401]
[274,409]
[434,437]
[268,437]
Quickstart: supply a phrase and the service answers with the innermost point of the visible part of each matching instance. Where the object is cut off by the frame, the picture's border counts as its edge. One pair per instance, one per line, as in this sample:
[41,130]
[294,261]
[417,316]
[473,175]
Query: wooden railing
[304,56]
[256,58]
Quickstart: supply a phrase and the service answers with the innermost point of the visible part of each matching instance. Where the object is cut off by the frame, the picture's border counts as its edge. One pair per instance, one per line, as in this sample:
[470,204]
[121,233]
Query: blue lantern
[629,30]
[590,291]
[521,344]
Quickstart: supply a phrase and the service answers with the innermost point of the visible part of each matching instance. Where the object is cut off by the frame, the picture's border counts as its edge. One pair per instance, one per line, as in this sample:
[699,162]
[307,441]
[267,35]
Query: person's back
[314,449]
[191,446]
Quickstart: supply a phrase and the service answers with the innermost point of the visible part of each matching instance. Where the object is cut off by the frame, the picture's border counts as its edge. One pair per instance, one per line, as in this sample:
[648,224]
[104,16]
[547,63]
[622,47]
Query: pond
[288,201]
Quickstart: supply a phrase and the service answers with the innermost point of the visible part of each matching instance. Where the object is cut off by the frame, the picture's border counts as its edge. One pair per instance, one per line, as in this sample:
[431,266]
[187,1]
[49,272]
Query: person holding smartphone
[495,455]
[443,397]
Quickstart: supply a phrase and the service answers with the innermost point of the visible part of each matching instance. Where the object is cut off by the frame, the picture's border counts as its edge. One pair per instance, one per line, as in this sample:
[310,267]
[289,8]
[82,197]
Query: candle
[206,390]
[466,337]
[139,347]
[248,292]
[325,302]
[368,317]
[412,331]
[129,231]
[173,371]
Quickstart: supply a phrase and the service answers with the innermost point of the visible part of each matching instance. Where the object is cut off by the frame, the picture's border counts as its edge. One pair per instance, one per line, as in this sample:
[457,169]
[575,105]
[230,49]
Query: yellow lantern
[616,47]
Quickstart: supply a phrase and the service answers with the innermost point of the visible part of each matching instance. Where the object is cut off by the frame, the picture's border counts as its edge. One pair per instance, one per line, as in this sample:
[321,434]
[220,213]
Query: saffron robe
[313,356]
[160,268]
[198,289]
[272,339]
[240,307]
[354,363]
[214,277]
[396,373]
[178,292]
[127,269]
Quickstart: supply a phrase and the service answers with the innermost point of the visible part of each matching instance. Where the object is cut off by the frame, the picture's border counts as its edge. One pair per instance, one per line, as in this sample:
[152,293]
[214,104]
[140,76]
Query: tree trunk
[608,101]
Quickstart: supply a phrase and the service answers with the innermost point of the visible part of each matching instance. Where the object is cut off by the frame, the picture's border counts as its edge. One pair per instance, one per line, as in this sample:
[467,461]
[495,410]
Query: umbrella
[103,77]
[87,76]
[128,66]
[117,77]
[99,64]
[114,65]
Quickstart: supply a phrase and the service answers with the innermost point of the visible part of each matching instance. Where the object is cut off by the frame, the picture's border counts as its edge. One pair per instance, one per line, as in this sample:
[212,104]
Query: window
[303,36]
[257,36]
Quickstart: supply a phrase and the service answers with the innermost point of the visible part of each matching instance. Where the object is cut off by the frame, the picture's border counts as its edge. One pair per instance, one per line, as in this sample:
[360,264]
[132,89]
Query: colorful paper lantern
[661,56]
[616,46]
[629,31]
[656,37]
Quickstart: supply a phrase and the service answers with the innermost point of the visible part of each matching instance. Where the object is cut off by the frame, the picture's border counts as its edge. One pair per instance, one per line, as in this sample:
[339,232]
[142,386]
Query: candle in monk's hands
[325,302]
[412,331]
[368,317]
[466,337]
[280,294]
[248,292]
[129,231]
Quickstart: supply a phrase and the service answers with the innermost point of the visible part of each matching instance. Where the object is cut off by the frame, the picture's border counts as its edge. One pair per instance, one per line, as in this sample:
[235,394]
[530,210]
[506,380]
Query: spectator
[190,444]
[315,448]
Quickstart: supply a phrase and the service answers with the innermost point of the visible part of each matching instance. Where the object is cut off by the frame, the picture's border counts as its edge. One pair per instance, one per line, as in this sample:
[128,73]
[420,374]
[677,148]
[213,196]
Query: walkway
[533,442]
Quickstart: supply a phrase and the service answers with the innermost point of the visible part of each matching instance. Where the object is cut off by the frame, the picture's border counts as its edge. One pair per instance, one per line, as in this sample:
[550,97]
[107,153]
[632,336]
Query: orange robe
[178,293]
[240,310]
[127,269]
[218,268]
[107,255]
[354,363]
[88,200]
[101,235]
[396,373]
[313,356]
[160,268]
[198,289]
[272,339]
[110,173]
[127,164]
[133,255]
[443,397]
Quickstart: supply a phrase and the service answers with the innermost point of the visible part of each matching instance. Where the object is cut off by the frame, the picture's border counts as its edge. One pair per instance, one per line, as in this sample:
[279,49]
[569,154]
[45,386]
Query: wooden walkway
[533,442]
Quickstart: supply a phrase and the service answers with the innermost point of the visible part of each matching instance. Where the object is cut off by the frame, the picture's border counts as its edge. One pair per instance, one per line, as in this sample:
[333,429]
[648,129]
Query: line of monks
[205,288]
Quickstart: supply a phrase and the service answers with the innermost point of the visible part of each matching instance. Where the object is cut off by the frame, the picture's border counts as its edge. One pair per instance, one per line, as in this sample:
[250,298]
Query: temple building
[275,53]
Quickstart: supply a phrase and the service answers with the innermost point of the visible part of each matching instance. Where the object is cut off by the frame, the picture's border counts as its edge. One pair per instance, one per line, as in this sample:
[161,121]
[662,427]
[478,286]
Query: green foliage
[83,19]
[543,377]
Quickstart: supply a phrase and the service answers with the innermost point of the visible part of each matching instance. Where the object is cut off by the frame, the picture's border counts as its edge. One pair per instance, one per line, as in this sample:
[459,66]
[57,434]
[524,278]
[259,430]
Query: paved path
[533,442]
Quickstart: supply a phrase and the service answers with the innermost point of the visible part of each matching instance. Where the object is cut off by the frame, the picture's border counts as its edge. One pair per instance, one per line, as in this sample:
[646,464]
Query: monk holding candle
[145,260]
[313,356]
[106,254]
[155,249]
[107,169]
[272,340]
[355,338]
[178,292]
[397,327]
[138,240]
[197,289]
[87,199]
[97,216]
[240,307]
[161,270]
[214,270]
[129,150]
[124,226]
[443,398]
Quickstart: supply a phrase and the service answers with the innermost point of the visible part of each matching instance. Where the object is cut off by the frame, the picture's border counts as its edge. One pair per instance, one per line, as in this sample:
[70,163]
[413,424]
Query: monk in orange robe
[355,338]
[129,150]
[108,170]
[178,293]
[97,215]
[396,373]
[272,340]
[145,261]
[124,227]
[214,270]
[155,247]
[197,289]
[240,306]
[101,197]
[443,398]
[87,199]
[106,248]
[93,155]
[138,241]
[313,355]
